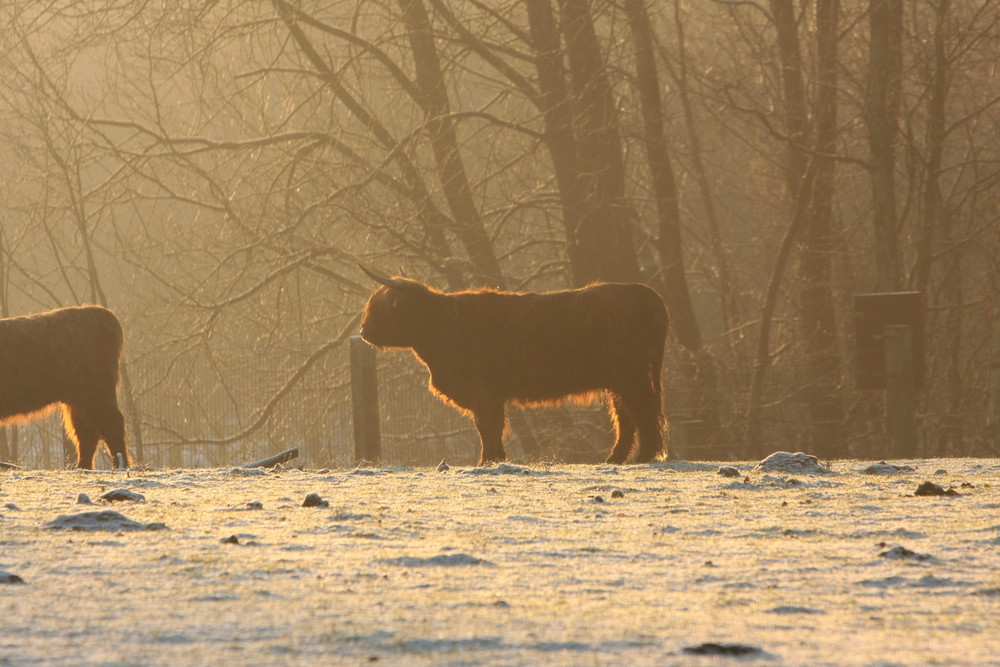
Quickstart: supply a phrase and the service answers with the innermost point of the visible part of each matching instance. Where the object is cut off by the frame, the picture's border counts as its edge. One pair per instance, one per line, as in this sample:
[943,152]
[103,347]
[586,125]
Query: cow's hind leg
[83,433]
[648,415]
[110,426]
[490,424]
[624,424]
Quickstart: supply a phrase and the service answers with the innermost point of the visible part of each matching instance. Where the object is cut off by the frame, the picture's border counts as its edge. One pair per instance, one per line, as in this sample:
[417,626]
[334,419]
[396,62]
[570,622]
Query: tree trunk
[886,21]
[451,170]
[556,105]
[444,142]
[762,362]
[937,237]
[933,204]
[793,91]
[672,281]
[411,184]
[823,375]
[603,240]
[810,182]
[730,306]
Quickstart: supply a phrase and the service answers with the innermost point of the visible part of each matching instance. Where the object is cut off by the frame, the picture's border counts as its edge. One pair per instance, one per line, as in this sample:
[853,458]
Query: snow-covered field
[663,564]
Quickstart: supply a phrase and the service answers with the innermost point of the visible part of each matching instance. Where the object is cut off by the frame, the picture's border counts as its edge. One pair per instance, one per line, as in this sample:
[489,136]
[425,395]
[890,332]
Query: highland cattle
[486,348]
[66,357]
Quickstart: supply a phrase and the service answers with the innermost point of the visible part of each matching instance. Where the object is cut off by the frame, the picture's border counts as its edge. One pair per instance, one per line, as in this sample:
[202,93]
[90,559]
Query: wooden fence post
[993,412]
[900,392]
[8,443]
[364,397]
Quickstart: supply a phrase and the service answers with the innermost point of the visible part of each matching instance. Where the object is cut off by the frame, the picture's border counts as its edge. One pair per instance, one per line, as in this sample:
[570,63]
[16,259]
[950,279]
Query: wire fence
[418,429]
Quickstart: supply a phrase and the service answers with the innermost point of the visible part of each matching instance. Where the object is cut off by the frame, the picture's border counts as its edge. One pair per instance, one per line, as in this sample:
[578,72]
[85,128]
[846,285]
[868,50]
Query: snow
[507,565]
[883,468]
[797,463]
[107,520]
[9,578]
[121,495]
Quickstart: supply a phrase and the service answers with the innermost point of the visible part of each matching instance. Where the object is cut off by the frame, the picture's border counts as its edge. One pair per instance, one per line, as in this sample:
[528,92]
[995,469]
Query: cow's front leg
[490,423]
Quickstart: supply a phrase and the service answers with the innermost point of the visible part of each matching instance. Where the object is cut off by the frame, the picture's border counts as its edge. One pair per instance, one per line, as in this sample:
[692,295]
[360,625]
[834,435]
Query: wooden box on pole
[872,314]
[889,346]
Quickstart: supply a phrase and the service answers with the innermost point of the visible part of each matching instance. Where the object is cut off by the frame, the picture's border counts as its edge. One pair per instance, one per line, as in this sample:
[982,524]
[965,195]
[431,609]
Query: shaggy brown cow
[68,356]
[484,348]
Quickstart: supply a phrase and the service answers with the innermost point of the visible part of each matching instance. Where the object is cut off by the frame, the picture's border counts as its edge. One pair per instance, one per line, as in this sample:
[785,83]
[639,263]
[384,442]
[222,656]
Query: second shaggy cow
[67,356]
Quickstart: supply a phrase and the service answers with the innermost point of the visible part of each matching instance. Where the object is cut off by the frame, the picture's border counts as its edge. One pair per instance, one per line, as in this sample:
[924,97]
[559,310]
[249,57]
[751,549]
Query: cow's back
[543,346]
[57,356]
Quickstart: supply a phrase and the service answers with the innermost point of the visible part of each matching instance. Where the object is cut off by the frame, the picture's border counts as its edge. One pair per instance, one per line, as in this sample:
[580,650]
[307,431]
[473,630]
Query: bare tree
[672,279]
[824,372]
[604,241]
[884,89]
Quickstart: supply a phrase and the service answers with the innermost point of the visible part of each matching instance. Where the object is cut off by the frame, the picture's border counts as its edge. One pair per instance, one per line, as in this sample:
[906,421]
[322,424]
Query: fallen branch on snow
[272,461]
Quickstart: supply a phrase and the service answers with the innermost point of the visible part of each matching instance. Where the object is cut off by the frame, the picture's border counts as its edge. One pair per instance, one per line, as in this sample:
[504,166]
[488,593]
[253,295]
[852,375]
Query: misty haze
[811,188]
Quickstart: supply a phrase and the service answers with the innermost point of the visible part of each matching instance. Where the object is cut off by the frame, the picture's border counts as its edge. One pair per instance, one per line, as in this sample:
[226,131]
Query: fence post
[993,412]
[5,445]
[900,403]
[364,398]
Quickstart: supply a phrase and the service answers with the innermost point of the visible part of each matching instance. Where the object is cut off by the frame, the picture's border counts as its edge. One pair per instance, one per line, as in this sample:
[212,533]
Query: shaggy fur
[484,348]
[67,356]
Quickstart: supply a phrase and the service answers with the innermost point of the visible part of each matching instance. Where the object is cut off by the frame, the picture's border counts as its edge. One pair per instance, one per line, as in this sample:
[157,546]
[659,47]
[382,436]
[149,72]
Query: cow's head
[400,313]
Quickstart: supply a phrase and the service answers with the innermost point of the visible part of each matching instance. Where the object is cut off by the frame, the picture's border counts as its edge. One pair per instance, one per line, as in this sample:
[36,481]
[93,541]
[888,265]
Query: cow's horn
[383,280]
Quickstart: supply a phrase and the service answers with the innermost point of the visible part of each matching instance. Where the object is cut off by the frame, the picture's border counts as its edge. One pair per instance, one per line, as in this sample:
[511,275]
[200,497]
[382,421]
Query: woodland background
[214,171]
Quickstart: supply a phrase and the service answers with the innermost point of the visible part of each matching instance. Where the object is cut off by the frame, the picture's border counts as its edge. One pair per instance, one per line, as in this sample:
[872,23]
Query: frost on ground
[797,463]
[660,564]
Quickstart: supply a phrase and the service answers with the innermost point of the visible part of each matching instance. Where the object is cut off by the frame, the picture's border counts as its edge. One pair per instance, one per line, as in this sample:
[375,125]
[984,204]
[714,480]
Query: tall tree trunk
[762,361]
[444,142]
[451,171]
[885,70]
[952,294]
[580,132]
[728,293]
[937,235]
[810,183]
[410,182]
[801,173]
[933,204]
[603,239]
[673,280]
[824,385]
[555,103]
[793,89]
